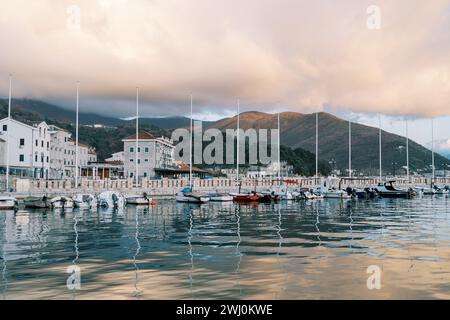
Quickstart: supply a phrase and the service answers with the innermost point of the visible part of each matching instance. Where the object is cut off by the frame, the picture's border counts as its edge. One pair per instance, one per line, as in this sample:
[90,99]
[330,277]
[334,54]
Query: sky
[354,58]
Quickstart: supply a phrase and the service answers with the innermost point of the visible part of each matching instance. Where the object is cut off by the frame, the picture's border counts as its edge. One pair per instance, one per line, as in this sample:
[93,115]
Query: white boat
[219,197]
[8,203]
[333,192]
[388,190]
[85,201]
[139,200]
[111,199]
[61,202]
[186,195]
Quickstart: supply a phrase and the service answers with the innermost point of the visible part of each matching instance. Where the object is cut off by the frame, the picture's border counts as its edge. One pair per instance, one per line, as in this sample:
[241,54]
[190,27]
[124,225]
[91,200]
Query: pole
[237,144]
[380,132]
[190,149]
[349,148]
[407,151]
[317,144]
[137,137]
[432,151]
[76,138]
[279,149]
[7,133]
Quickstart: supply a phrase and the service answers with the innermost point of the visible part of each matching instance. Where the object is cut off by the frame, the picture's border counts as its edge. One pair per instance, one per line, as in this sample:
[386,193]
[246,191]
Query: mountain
[299,131]
[26,109]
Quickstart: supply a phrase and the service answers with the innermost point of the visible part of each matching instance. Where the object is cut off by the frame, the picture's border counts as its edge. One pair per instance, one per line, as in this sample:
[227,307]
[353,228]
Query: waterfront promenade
[169,187]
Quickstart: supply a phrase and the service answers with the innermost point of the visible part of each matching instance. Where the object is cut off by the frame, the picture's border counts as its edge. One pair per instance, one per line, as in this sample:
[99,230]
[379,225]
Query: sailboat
[187,195]
[242,196]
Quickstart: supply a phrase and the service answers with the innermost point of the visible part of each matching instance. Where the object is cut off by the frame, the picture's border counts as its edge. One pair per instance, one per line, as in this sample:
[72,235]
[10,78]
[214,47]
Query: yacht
[388,190]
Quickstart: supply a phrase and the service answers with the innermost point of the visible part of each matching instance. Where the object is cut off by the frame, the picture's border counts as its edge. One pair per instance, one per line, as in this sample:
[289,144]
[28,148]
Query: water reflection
[317,249]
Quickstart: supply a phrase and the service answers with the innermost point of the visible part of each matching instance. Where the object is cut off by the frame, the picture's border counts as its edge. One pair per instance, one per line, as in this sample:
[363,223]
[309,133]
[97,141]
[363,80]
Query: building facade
[152,153]
[29,148]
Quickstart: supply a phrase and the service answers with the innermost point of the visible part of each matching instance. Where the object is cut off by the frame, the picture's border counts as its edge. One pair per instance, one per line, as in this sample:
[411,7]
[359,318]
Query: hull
[220,197]
[191,199]
[139,201]
[62,203]
[111,200]
[336,195]
[395,194]
[84,201]
[36,203]
[8,204]
[246,197]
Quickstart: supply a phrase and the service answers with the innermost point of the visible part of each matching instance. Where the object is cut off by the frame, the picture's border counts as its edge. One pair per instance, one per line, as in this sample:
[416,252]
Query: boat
[7,203]
[219,197]
[246,197]
[306,194]
[333,192]
[111,199]
[85,201]
[366,193]
[37,202]
[188,196]
[387,190]
[61,202]
[139,200]
[269,196]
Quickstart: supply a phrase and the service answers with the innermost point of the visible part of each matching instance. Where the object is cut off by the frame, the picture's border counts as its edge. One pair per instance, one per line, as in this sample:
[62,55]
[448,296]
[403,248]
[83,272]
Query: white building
[152,153]
[63,154]
[29,148]
[116,157]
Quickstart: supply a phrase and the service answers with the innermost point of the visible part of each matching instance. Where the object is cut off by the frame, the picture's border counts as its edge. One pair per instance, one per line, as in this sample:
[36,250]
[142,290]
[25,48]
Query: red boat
[245,197]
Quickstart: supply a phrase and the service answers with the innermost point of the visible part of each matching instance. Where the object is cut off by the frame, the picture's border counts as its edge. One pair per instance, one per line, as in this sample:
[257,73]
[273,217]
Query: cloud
[302,55]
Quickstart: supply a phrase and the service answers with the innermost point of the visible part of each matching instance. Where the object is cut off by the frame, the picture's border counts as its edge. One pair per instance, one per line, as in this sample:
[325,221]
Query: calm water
[280,251]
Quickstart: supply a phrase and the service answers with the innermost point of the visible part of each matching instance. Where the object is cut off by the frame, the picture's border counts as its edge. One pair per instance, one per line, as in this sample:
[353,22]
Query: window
[146,160]
[21,158]
[35,157]
[139,161]
[42,143]
[37,143]
[131,160]
[139,149]
[131,149]
[145,174]
[146,150]
[22,142]
[47,159]
[48,144]
[5,127]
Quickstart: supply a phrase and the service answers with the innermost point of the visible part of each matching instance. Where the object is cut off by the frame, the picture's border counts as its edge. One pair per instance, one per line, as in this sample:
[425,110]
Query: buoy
[153,203]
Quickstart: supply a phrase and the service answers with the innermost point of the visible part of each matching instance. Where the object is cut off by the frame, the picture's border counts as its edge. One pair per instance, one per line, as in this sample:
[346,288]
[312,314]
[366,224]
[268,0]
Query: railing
[171,186]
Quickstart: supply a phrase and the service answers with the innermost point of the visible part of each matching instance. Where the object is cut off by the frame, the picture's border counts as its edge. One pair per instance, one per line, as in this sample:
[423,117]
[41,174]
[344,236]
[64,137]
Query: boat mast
[7,133]
[237,144]
[407,151]
[349,148]
[317,144]
[432,151]
[190,148]
[279,150]
[76,137]
[380,132]
[137,137]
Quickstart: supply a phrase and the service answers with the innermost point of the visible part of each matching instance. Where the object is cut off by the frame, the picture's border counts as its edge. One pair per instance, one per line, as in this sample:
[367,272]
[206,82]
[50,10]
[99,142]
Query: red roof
[143,135]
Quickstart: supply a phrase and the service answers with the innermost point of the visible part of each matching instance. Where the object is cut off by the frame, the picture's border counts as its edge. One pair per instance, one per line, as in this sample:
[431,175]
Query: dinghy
[139,200]
[85,201]
[61,202]
[37,202]
[7,203]
[111,199]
